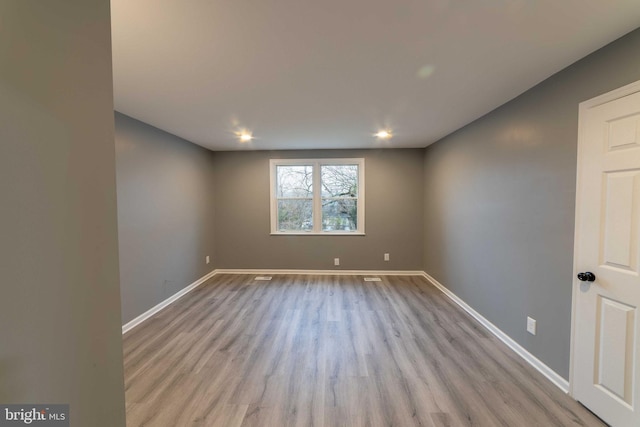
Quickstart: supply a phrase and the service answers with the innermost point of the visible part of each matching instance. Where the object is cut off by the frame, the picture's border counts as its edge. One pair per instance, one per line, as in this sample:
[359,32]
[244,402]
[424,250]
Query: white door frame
[583,106]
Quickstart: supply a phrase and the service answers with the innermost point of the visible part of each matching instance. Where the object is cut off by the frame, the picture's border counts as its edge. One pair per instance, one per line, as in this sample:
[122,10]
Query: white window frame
[317,195]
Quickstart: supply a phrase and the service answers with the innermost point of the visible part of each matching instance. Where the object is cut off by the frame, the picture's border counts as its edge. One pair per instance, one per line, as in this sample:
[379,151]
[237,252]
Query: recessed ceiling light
[383,134]
[245,136]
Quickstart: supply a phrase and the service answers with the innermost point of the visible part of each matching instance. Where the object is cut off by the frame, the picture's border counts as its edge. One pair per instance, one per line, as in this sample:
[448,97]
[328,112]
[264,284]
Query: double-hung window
[317,196]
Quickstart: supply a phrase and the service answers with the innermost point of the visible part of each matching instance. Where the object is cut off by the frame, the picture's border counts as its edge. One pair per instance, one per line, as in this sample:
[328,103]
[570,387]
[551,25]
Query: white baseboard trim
[327,272]
[556,379]
[173,298]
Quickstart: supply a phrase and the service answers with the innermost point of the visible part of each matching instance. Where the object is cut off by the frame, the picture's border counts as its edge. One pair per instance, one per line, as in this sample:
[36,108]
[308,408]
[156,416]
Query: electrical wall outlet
[531,325]
[207,259]
[336,261]
[386,257]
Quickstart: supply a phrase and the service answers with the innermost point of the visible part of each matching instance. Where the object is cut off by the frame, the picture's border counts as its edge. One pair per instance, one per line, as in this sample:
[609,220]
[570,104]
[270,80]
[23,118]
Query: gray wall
[500,199]
[60,337]
[393,211]
[165,214]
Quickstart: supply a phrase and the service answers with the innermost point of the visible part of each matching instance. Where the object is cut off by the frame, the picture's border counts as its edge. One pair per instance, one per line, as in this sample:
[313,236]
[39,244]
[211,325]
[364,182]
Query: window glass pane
[294,181]
[295,215]
[339,215]
[339,180]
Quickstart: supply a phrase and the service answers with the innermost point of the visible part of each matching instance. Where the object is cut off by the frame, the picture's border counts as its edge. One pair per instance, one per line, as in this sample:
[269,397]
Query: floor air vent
[263,278]
[372,279]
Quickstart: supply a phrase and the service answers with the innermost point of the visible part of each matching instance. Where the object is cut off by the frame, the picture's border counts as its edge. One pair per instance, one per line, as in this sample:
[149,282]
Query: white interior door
[606,329]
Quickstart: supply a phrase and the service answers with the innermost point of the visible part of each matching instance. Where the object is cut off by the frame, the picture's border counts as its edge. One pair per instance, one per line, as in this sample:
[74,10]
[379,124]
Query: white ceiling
[329,73]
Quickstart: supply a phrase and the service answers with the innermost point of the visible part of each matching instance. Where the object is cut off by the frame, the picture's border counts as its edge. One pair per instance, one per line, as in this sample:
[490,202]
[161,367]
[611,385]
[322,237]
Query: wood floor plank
[328,350]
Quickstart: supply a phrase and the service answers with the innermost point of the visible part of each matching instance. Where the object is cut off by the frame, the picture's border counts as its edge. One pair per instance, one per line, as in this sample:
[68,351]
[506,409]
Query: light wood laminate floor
[318,350]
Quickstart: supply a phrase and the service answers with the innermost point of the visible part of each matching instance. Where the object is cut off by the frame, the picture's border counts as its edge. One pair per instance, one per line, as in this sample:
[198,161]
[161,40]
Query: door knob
[586,277]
